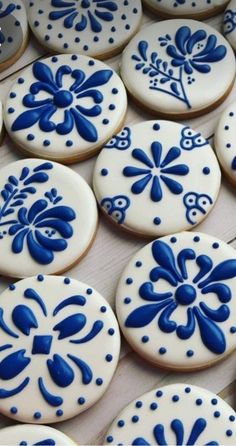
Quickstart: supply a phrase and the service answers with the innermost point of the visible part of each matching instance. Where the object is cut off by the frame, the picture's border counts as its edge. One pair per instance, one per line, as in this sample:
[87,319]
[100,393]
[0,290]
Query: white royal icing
[48,217]
[230,23]
[95,28]
[225,141]
[158,166]
[33,435]
[176,301]
[177,414]
[65,107]
[174,67]
[1,120]
[59,348]
[187,7]
[13,28]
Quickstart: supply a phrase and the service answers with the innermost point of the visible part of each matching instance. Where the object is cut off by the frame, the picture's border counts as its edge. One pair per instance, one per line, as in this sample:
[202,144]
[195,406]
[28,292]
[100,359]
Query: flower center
[85,4]
[63,98]
[41,345]
[185,294]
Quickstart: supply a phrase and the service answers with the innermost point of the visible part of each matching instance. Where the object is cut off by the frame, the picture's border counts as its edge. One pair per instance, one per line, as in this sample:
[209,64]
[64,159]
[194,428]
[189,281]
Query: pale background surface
[104,263]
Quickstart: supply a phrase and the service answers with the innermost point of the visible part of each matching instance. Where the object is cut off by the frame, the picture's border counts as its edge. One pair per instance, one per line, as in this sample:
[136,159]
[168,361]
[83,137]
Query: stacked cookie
[60,341]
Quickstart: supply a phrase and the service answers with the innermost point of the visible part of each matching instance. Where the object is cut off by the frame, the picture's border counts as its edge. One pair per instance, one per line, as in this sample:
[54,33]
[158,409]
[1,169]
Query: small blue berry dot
[153,406]
[157,221]
[11,110]
[199,402]
[111,331]
[233,330]
[190,353]
[14,410]
[229,433]
[104,172]
[216,414]
[232,418]
[138,264]
[175,398]
[120,423]
[145,339]
[129,280]
[206,170]
[81,401]
[156,127]
[91,63]
[173,239]
[103,309]
[99,381]
[187,389]
[66,280]
[21,80]
[59,412]
[37,415]
[69,143]
[12,287]
[215,245]
[127,300]
[12,95]
[40,278]
[89,291]
[54,59]
[114,90]
[109,358]
[30,137]
[135,419]
[46,142]
[196,239]
[214,401]
[138,404]
[162,350]
[159,393]
[74,57]
[109,439]
[105,121]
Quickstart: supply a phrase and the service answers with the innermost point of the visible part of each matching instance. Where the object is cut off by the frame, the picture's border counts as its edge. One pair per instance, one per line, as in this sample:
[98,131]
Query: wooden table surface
[107,258]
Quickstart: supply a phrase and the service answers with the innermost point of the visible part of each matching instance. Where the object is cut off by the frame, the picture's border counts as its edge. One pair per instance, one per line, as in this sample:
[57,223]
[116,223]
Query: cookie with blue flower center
[157,166]
[174,68]
[230,24]
[48,218]
[200,9]
[224,142]
[175,301]
[13,32]
[98,28]
[59,348]
[177,414]
[65,108]
[33,435]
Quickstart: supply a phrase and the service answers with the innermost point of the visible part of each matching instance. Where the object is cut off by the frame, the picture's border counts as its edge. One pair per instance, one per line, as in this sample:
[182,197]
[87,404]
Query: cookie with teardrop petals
[199,10]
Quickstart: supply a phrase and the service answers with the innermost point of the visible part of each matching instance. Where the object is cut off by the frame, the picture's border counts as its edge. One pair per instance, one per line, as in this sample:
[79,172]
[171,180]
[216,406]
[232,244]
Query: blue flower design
[63,330]
[179,430]
[88,12]
[182,290]
[116,207]
[58,98]
[229,21]
[156,170]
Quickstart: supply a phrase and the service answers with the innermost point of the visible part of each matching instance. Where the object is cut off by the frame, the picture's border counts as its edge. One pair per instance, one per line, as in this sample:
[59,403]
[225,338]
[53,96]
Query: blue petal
[183,256]
[198,427]
[8,393]
[49,243]
[143,315]
[13,365]
[28,118]
[172,185]
[172,155]
[196,37]
[156,149]
[87,374]
[22,216]
[5,327]
[164,256]
[44,122]
[164,322]
[159,434]
[96,328]
[36,208]
[179,169]
[18,242]
[212,336]
[71,325]
[178,428]
[205,264]
[67,125]
[162,273]
[31,294]
[181,38]
[140,442]
[97,79]
[214,56]
[131,171]
[60,371]
[42,255]
[53,400]
[139,186]
[42,72]
[64,213]
[172,52]
[210,45]
[95,25]
[62,70]
[56,15]
[141,156]
[200,67]
[39,177]
[24,319]
[72,300]
[94,111]
[223,291]
[220,315]
[85,128]
[186,331]
[80,26]
[156,192]
[64,228]
[69,21]
[15,228]
[224,271]
[79,77]
[146,291]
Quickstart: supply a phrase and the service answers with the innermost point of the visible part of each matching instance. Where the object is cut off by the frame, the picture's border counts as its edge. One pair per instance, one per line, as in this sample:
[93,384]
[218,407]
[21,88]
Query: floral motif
[61,370]
[88,13]
[42,223]
[229,22]
[191,140]
[156,171]
[121,141]
[116,207]
[188,52]
[183,290]
[55,97]
[178,428]
[195,204]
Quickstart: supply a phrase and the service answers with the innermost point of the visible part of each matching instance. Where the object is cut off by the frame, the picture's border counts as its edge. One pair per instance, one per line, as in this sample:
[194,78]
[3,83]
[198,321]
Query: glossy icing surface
[60,343]
[48,217]
[225,141]
[33,435]
[175,301]
[186,7]
[65,106]
[157,166]
[166,70]
[230,23]
[13,28]
[177,414]
[92,27]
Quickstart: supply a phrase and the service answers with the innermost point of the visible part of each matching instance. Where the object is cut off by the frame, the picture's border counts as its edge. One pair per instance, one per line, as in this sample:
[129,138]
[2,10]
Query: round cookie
[32,434]
[175,301]
[177,414]
[1,123]
[59,348]
[174,68]
[65,108]
[13,32]
[230,24]
[225,142]
[99,28]
[200,9]
[48,218]
[155,167]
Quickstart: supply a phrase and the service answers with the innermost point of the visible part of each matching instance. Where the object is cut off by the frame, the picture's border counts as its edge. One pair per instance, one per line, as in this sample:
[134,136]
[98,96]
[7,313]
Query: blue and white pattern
[177,414]
[13,30]
[230,24]
[180,8]
[180,309]
[48,340]
[121,141]
[116,207]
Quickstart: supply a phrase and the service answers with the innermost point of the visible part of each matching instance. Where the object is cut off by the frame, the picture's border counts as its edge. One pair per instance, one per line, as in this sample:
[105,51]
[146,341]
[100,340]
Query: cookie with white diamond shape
[177,414]
[175,301]
[99,28]
[224,142]
[151,169]
[199,10]
[59,348]
[65,108]
[32,434]
[48,218]
[13,32]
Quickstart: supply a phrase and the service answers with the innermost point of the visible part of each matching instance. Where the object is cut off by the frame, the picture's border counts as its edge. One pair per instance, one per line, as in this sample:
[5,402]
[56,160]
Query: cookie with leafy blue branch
[230,24]
[199,10]
[173,69]
[33,435]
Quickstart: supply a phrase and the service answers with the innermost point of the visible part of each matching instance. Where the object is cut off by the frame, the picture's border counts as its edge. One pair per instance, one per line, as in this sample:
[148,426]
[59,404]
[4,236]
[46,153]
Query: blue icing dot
[206,170]
[157,221]
[104,172]
[138,264]
[159,393]
[127,300]
[135,419]
[111,331]
[109,439]
[109,358]
[153,406]
[13,410]
[67,280]
[40,278]
[59,413]
[162,350]
[138,404]
[99,381]
[199,402]
[145,339]
[89,291]
[120,423]
[129,281]
[81,401]
[103,309]
[37,415]
[175,398]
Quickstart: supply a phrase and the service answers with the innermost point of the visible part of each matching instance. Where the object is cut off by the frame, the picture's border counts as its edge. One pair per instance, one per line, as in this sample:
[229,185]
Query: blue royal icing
[229,22]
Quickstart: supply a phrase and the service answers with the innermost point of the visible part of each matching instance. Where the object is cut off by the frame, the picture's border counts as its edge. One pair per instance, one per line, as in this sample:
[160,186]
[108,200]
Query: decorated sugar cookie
[58,351]
[1,123]
[65,107]
[13,32]
[156,166]
[177,414]
[28,434]
[230,23]
[174,68]
[48,218]
[99,28]
[225,143]
[200,9]
[176,301]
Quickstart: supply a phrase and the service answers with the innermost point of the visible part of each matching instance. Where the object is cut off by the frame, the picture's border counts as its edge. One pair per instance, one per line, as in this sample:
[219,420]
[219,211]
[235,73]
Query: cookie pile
[158,179]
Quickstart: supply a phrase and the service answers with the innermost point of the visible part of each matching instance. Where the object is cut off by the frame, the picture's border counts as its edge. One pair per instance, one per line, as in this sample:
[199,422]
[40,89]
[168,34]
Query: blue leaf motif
[60,371]
[70,326]
[24,319]
[13,365]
